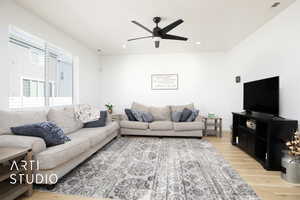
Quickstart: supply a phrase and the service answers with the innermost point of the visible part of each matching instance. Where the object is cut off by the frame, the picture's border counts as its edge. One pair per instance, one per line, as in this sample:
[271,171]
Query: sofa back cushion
[139,107]
[65,118]
[10,119]
[180,108]
[161,113]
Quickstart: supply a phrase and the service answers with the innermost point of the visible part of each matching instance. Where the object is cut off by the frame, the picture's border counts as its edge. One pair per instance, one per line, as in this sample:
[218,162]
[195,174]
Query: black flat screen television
[262,96]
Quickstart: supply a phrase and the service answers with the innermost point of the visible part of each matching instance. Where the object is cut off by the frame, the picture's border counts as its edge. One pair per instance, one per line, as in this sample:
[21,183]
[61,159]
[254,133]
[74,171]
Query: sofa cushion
[60,154]
[161,125]
[36,144]
[188,126]
[181,107]
[161,113]
[95,135]
[65,118]
[10,119]
[134,125]
[139,107]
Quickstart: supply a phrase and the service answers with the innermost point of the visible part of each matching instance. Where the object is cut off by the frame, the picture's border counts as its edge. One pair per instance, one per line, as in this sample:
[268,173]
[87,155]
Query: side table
[116,117]
[9,155]
[216,123]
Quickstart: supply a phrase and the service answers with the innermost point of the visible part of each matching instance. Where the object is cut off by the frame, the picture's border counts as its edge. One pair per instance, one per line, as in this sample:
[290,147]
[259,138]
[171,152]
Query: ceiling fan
[160,33]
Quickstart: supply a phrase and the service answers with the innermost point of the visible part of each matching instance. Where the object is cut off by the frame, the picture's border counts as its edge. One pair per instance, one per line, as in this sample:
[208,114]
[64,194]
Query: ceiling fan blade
[156,44]
[171,26]
[142,26]
[173,37]
[139,38]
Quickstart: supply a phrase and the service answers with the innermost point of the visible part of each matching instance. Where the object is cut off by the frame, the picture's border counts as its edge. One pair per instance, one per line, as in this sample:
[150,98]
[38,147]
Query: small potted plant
[109,108]
[291,162]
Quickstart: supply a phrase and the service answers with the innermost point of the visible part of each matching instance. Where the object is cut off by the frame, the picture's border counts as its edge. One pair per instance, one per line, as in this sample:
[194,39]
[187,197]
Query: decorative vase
[291,168]
[109,111]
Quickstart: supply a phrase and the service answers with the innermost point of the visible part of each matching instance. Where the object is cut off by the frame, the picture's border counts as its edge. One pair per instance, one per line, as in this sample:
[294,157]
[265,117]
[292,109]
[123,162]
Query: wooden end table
[216,123]
[116,117]
[9,155]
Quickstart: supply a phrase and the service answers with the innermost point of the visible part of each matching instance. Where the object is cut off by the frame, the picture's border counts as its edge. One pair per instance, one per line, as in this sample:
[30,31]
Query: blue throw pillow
[97,123]
[52,134]
[193,116]
[138,115]
[130,115]
[147,117]
[175,116]
[186,113]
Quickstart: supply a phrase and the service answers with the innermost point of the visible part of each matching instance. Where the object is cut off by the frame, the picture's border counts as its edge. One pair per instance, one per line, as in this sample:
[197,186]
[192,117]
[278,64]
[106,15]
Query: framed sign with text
[164,81]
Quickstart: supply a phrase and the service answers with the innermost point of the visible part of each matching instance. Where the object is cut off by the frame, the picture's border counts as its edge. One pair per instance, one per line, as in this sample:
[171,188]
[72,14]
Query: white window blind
[41,74]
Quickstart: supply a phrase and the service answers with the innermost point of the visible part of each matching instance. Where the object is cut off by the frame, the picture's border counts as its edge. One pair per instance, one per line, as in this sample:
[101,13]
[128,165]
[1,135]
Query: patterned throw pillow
[186,113]
[147,117]
[176,116]
[86,113]
[130,115]
[48,131]
[193,116]
[101,122]
[138,115]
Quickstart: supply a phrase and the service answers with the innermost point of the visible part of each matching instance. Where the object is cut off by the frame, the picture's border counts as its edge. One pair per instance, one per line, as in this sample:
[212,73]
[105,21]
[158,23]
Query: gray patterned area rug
[146,168]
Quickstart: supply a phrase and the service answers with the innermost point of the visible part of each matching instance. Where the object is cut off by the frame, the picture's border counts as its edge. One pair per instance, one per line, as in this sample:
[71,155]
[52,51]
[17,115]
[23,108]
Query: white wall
[203,79]
[208,79]
[87,62]
[273,50]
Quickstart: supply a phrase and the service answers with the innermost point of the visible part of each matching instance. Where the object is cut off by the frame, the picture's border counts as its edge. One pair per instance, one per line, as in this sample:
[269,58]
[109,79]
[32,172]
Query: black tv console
[266,142]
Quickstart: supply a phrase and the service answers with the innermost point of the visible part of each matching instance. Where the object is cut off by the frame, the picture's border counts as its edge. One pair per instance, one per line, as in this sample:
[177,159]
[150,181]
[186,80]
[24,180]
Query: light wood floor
[268,185]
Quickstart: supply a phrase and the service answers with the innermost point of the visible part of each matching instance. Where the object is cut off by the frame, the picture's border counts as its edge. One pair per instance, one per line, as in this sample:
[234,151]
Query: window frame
[48,49]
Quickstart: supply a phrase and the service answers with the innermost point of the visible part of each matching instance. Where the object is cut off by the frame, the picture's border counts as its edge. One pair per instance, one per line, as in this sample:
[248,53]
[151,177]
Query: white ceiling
[105,24]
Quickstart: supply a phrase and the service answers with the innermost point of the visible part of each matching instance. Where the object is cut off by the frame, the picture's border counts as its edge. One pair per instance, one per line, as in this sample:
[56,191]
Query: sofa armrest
[124,117]
[200,118]
[35,143]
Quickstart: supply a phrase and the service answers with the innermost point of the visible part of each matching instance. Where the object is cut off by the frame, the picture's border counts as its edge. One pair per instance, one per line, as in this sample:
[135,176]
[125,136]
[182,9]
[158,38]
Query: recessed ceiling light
[198,43]
[124,46]
[98,50]
[276,4]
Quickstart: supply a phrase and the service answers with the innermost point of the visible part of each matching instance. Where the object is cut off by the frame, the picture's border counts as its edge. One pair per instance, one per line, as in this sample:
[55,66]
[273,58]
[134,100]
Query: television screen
[262,96]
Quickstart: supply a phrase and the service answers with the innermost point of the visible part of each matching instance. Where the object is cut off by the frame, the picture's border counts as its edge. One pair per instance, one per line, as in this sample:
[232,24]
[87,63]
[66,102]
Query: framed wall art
[164,81]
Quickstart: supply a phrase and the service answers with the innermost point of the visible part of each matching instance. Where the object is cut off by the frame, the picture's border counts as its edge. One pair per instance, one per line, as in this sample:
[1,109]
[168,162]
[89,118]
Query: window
[41,74]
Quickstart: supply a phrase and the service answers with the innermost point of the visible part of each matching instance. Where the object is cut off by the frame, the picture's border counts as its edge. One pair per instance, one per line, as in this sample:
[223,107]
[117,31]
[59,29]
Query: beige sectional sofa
[162,124]
[62,158]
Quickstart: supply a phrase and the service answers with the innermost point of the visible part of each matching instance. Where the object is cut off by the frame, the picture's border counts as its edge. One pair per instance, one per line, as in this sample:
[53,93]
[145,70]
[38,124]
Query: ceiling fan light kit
[160,33]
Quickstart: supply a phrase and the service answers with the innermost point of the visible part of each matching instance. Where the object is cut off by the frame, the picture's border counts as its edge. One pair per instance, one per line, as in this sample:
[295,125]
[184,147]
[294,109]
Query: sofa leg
[50,186]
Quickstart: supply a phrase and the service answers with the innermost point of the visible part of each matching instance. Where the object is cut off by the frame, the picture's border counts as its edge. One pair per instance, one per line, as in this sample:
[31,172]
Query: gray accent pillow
[176,116]
[48,131]
[101,122]
[193,116]
[186,113]
[147,117]
[138,115]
